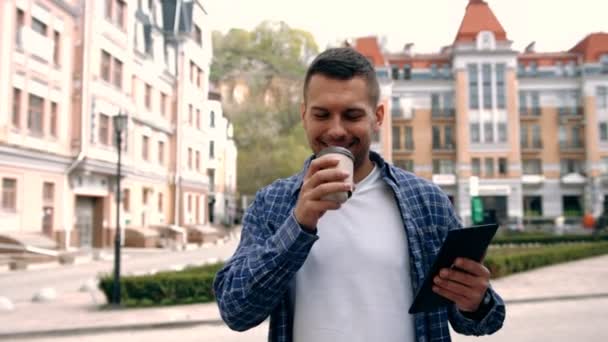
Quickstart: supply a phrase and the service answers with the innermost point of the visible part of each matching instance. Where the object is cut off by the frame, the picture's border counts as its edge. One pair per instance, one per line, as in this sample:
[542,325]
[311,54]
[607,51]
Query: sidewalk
[77,313]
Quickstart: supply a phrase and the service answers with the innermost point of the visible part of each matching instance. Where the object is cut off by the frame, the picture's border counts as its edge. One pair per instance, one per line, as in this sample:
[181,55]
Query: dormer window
[486,41]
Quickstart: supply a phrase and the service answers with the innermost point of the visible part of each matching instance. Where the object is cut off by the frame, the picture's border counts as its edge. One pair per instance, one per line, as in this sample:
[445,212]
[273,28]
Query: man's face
[339,113]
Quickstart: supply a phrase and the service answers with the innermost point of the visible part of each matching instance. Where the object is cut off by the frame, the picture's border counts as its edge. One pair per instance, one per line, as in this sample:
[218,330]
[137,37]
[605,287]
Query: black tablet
[470,243]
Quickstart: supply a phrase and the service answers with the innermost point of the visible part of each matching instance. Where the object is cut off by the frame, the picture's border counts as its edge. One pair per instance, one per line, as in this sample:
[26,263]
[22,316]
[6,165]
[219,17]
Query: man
[329,272]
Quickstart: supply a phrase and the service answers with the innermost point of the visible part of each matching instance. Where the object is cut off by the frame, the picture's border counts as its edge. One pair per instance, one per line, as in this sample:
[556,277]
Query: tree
[271,60]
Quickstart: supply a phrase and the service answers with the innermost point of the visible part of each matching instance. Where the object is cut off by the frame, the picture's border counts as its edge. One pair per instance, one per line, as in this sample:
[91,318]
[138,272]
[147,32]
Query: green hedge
[191,285]
[537,238]
[195,284]
[502,263]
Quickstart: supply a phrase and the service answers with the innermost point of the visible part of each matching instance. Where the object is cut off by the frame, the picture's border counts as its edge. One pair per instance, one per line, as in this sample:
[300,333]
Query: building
[524,133]
[70,67]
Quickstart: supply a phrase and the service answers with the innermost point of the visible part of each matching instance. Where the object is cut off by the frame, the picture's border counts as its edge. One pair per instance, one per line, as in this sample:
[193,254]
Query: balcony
[573,179]
[444,179]
[36,44]
[571,146]
[441,114]
[534,146]
[567,113]
[532,179]
[447,147]
[399,113]
[529,113]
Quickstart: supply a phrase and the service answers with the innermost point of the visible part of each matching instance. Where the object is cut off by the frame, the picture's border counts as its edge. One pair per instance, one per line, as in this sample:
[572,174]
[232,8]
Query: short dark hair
[344,64]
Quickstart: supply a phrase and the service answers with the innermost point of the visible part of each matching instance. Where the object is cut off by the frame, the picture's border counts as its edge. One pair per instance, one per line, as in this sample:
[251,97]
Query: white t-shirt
[355,284]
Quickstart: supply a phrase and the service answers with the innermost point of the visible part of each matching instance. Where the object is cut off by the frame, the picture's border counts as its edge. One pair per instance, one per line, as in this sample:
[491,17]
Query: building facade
[69,67]
[523,133]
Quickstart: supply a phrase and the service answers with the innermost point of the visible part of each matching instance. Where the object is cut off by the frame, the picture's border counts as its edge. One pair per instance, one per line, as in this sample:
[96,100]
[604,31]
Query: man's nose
[336,129]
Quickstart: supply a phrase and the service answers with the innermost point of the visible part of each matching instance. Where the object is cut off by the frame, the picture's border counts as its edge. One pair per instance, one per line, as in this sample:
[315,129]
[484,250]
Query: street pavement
[558,303]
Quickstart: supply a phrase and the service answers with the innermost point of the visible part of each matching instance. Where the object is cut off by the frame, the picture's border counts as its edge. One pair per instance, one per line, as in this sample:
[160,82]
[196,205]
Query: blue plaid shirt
[258,281]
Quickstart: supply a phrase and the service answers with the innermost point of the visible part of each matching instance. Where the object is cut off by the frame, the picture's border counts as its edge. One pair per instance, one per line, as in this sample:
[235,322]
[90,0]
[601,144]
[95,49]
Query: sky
[555,25]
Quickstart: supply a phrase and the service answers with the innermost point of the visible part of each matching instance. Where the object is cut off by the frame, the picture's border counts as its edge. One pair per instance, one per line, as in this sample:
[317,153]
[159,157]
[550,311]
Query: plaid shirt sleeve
[493,319]
[254,280]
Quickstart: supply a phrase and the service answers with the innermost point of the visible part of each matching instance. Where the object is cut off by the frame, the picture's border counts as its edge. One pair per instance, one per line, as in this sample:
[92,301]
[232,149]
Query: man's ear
[303,112]
[379,115]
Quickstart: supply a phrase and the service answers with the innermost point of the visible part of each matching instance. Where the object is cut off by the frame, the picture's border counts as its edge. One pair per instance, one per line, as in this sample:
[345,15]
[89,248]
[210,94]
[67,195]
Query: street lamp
[120,124]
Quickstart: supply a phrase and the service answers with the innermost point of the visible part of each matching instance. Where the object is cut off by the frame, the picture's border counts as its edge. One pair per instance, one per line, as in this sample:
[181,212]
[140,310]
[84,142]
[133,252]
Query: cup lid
[336,149]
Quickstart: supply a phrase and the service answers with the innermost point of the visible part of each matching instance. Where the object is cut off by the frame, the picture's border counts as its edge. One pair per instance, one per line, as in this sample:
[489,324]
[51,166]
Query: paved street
[20,286]
[558,321]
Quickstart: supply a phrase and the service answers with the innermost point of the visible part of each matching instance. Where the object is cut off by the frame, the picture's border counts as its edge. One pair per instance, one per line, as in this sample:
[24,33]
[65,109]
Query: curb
[556,298]
[107,328]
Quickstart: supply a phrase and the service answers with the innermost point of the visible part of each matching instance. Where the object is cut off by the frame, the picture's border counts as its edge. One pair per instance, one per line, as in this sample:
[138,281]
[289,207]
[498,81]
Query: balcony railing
[571,111]
[571,145]
[444,147]
[439,113]
[534,111]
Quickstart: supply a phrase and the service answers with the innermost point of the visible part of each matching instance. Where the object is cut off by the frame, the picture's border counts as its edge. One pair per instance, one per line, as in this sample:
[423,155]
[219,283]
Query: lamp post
[120,123]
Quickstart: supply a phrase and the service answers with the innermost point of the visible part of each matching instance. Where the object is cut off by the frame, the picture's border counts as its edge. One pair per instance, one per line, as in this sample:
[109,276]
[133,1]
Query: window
[148,96]
[35,115]
[502,132]
[536,138]
[535,103]
[144,196]
[435,110]
[448,104]
[488,132]
[108,9]
[198,35]
[16,117]
[603,131]
[502,166]
[533,68]
[126,200]
[39,26]
[436,137]
[568,166]
[489,167]
[448,137]
[117,73]
[602,97]
[395,72]
[473,86]
[189,158]
[532,167]
[486,78]
[396,138]
[405,164]
[212,119]
[160,202]
[523,136]
[577,136]
[573,206]
[211,175]
[189,203]
[396,107]
[500,86]
[104,129]
[190,115]
[197,158]
[409,138]
[53,119]
[106,61]
[443,166]
[56,48]
[161,152]
[198,118]
[119,16]
[533,206]
[523,103]
[145,148]
[474,127]
[192,71]
[476,166]
[48,192]
[211,150]
[9,194]
[407,72]
[434,72]
[163,104]
[20,22]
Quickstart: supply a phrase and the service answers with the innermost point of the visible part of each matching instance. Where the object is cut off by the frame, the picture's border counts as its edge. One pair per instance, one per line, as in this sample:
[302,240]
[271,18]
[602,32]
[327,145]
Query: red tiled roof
[479,17]
[369,47]
[592,46]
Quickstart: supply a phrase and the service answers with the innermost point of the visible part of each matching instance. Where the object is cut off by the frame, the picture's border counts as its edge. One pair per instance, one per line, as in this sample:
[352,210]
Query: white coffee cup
[346,163]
